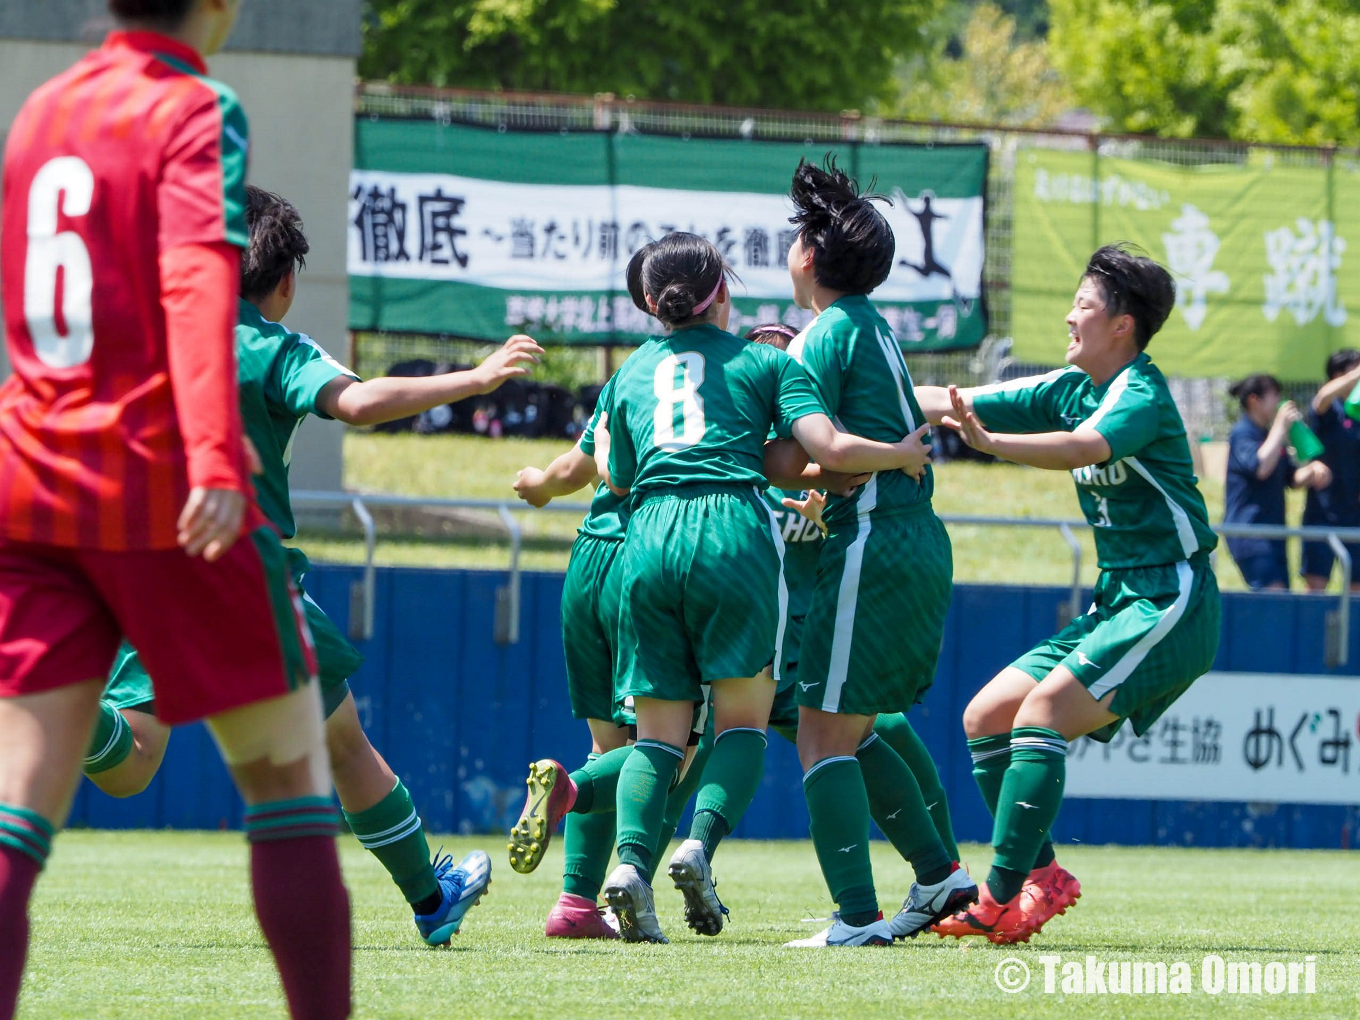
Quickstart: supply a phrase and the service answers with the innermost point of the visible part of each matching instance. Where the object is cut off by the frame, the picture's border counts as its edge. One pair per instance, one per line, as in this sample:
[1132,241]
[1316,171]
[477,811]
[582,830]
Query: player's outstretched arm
[563,476]
[1059,451]
[935,402]
[391,397]
[787,466]
[846,453]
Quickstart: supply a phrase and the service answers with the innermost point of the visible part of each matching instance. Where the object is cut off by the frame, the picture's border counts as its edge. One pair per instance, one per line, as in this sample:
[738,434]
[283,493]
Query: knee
[979,717]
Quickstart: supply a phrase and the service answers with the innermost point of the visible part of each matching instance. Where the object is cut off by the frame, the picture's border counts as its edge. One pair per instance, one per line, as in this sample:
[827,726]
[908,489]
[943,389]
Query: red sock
[303,909]
[18,872]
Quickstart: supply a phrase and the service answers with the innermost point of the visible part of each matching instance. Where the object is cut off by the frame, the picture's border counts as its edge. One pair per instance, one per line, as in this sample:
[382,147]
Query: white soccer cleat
[841,934]
[628,893]
[693,876]
[927,904]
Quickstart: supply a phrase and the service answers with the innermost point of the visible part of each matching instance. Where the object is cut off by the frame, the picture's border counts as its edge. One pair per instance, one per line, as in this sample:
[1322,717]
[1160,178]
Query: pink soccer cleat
[575,917]
[551,795]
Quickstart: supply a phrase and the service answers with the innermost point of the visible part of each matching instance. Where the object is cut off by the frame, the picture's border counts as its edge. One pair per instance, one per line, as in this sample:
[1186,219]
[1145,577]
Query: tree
[995,79]
[1255,70]
[801,54]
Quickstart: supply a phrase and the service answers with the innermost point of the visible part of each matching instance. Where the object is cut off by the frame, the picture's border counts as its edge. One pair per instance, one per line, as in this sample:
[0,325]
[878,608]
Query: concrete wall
[293,64]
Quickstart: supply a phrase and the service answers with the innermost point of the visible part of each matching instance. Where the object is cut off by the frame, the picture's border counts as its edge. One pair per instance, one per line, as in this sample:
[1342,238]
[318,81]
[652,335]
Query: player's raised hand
[915,453]
[529,486]
[515,358]
[966,423]
[810,506]
[211,522]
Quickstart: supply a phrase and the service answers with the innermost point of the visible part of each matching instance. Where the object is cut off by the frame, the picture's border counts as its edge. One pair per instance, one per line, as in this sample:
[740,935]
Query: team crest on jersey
[1110,474]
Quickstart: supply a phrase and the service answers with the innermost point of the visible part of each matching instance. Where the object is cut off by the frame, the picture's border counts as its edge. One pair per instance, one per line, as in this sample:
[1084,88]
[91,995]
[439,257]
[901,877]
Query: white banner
[1260,737]
[579,237]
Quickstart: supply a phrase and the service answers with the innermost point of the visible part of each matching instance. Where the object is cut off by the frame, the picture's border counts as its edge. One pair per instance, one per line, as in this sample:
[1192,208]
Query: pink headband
[709,300]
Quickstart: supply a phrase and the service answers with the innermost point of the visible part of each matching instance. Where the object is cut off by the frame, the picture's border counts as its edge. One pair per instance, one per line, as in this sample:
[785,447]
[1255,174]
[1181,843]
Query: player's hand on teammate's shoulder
[515,358]
[529,484]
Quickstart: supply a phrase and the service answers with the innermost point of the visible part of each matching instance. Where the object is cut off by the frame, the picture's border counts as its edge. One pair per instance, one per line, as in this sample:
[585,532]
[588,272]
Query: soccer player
[691,411]
[124,498]
[284,377]
[1337,504]
[1152,630]
[876,616]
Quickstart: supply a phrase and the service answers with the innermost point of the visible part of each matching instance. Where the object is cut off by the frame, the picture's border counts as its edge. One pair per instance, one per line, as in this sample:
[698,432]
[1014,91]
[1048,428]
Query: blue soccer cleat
[462,888]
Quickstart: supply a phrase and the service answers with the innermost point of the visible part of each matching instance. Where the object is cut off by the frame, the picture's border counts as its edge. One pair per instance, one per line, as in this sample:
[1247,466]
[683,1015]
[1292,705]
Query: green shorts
[590,622]
[1150,633]
[784,712]
[338,660]
[873,630]
[702,591]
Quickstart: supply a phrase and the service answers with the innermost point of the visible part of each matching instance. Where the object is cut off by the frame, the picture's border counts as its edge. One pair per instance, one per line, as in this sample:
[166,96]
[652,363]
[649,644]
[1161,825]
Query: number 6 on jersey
[676,383]
[63,185]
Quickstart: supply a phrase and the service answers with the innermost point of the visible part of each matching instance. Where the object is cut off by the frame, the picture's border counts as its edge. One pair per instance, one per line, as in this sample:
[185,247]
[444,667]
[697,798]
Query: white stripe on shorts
[847,599]
[783,587]
[1120,671]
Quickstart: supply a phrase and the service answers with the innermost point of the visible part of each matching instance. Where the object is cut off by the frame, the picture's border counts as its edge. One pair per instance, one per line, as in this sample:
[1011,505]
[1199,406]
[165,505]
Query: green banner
[476,232]
[1257,251]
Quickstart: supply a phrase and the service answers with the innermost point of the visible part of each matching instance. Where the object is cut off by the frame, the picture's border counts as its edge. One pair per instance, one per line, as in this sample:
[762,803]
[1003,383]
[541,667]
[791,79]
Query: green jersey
[281,373]
[608,517]
[802,545]
[695,407]
[858,370]
[1144,502]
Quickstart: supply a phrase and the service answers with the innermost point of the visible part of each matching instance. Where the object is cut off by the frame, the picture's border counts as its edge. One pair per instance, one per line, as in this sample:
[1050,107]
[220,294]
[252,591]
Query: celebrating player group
[761,551]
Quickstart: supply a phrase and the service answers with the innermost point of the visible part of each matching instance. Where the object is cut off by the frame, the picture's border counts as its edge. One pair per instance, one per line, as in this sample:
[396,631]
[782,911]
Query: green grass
[467,466]
[158,925]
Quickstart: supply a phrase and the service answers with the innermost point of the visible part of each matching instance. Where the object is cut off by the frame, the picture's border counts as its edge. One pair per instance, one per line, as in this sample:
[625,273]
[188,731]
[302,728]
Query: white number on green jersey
[676,384]
[1103,509]
[64,185]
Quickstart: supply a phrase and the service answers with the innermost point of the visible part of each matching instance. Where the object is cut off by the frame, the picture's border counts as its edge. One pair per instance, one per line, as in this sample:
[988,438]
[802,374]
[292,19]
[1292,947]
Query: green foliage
[1255,70]
[995,78]
[799,54]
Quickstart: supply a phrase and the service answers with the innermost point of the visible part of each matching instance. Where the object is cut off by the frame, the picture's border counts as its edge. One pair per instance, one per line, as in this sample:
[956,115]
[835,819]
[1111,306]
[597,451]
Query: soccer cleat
[1060,885]
[462,888]
[1001,923]
[927,904]
[628,893]
[692,875]
[551,795]
[575,917]
[876,933]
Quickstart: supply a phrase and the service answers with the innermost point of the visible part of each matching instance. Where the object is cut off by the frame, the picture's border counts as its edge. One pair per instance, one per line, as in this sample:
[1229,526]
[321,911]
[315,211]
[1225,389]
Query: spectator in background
[1259,469]
[1337,504]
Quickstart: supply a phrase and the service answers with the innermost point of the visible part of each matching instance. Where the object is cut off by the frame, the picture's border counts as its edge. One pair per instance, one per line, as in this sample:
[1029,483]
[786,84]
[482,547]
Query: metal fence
[1203,402]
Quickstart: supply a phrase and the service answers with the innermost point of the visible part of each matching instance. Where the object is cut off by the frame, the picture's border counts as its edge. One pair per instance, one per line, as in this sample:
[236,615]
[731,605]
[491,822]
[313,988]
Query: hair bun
[675,303]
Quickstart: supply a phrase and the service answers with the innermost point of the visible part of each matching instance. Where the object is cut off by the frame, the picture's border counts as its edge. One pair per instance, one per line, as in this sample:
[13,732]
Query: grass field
[158,925]
[468,466]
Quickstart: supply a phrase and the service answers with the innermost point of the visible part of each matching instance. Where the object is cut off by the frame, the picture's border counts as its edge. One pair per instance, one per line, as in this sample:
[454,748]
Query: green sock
[899,735]
[597,781]
[111,743]
[588,843]
[896,804]
[839,810]
[391,831]
[27,832]
[991,759]
[731,779]
[643,785]
[679,797]
[1030,796]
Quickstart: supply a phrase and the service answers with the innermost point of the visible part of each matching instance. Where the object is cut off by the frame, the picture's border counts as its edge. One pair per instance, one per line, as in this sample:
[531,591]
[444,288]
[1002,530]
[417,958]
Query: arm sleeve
[1020,405]
[1129,418]
[602,406]
[794,394]
[304,370]
[198,294]
[822,362]
[1243,453]
[202,194]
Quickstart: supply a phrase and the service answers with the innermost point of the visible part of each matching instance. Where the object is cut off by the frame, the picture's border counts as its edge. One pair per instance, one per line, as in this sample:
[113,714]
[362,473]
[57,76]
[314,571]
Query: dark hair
[1255,386]
[1132,284]
[852,243]
[277,245]
[775,334]
[680,272]
[170,13]
[1342,361]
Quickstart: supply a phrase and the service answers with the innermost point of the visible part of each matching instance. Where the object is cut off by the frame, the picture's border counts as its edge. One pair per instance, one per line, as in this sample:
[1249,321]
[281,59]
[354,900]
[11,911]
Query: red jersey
[127,156]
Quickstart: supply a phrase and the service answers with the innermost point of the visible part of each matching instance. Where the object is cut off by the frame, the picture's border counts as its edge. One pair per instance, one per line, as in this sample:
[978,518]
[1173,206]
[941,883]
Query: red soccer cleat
[1059,884]
[1001,923]
[551,795]
[575,917]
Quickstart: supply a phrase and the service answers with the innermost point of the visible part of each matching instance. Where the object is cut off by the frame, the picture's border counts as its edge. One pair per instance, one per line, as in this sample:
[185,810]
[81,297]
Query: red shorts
[215,636]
